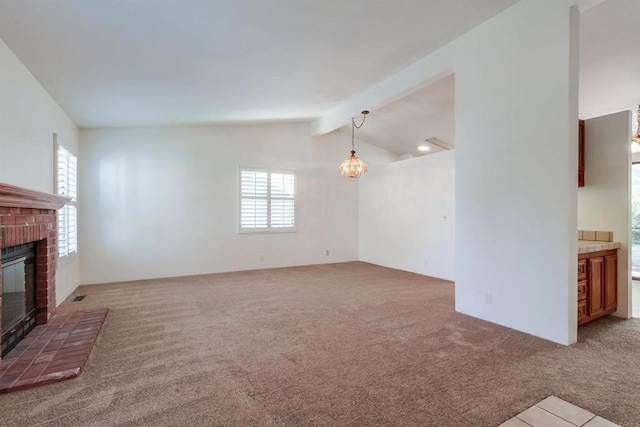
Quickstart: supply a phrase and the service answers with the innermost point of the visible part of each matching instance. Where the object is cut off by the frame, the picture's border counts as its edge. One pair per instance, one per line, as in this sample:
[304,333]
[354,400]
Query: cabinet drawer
[582,290]
[582,309]
[582,269]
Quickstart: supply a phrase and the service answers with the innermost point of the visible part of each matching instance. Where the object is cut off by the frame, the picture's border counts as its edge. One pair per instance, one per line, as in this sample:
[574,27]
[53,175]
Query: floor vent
[79,298]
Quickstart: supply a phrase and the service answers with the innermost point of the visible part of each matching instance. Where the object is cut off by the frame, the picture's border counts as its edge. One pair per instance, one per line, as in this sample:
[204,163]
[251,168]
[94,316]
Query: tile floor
[53,352]
[555,412]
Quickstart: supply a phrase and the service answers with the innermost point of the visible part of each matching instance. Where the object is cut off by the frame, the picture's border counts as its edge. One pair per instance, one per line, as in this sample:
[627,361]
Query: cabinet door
[596,285]
[611,282]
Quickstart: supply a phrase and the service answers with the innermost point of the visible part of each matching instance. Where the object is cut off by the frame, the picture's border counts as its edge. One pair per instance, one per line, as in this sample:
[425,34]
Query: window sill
[267,231]
[67,258]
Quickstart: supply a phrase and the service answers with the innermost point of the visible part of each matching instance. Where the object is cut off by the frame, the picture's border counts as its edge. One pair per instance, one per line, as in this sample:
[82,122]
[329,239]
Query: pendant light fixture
[635,141]
[353,167]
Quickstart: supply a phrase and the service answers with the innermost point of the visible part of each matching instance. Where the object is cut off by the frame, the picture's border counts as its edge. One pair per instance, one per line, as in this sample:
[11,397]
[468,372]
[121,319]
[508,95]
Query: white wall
[28,119]
[516,198]
[516,163]
[407,215]
[516,168]
[605,200]
[163,202]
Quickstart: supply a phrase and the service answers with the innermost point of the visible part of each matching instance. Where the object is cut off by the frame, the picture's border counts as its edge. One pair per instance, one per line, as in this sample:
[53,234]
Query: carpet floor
[348,344]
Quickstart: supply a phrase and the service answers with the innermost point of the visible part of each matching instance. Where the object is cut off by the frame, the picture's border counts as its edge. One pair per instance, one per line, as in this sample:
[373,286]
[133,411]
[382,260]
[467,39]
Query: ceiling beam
[587,4]
[414,77]
[422,73]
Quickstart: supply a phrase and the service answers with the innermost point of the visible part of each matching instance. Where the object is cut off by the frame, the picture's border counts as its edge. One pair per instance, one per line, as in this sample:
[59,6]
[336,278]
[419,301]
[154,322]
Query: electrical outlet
[426,262]
[327,252]
[261,257]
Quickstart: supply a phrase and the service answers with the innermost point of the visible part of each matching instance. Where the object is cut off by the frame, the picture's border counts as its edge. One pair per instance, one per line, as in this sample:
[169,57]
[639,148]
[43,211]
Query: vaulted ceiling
[609,83]
[162,63]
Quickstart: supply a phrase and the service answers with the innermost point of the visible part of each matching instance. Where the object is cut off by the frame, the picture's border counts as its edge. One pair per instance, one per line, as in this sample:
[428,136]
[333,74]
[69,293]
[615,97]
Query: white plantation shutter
[63,171]
[72,164]
[66,182]
[282,213]
[253,195]
[72,228]
[267,201]
[282,200]
[63,241]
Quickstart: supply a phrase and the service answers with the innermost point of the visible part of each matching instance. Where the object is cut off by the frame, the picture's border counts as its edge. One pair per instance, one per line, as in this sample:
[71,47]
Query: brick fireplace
[28,216]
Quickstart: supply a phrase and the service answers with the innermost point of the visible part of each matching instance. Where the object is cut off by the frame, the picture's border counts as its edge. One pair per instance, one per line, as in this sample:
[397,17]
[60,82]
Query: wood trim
[611,281]
[18,197]
[598,253]
[583,320]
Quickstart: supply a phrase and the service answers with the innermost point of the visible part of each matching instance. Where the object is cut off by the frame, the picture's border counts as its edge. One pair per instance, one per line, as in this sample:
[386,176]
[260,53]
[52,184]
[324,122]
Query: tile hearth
[55,351]
[555,412]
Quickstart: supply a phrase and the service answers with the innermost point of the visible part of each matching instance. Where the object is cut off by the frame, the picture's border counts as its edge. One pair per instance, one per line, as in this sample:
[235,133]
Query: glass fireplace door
[18,294]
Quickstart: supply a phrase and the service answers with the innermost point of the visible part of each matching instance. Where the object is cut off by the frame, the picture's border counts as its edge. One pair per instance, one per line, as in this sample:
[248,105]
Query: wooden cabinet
[611,281]
[597,285]
[582,289]
[581,153]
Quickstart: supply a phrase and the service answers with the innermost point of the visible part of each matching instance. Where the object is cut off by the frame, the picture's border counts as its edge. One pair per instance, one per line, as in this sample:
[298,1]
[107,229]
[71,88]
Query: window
[267,201]
[66,185]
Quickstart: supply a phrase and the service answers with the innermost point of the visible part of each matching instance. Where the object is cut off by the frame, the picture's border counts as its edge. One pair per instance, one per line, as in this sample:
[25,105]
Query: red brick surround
[30,216]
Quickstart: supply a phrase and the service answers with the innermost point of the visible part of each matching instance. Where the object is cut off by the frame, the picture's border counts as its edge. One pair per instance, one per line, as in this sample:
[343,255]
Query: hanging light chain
[354,126]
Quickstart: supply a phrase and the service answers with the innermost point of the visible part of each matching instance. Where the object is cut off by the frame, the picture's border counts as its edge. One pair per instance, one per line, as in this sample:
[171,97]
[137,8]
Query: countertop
[586,246]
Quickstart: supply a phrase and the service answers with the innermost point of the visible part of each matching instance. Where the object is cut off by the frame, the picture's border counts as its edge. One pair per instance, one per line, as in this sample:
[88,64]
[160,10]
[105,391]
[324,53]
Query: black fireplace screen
[18,294]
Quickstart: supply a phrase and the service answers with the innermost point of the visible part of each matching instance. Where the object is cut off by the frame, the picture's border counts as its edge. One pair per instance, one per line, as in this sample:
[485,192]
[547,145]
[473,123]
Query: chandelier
[353,167]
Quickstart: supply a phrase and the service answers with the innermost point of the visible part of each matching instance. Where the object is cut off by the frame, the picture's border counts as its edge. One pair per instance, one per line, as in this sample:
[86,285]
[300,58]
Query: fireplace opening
[18,294]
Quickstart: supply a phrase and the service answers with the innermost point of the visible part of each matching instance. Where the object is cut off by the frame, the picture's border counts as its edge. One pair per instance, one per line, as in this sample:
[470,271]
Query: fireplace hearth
[28,228]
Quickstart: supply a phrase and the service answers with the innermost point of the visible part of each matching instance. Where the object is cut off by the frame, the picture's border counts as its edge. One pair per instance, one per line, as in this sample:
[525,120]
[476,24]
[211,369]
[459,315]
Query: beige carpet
[342,344]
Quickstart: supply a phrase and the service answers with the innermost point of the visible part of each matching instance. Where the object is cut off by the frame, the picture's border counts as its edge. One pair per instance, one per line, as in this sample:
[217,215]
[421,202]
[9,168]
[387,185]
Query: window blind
[267,201]
[66,182]
[282,200]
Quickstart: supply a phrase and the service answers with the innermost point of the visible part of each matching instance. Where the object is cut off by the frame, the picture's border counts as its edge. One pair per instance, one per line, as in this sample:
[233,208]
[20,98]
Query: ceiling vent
[439,143]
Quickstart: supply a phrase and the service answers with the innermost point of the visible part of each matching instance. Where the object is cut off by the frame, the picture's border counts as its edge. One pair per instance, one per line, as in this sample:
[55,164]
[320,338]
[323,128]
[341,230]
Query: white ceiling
[609,83]
[166,62]
[403,125]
